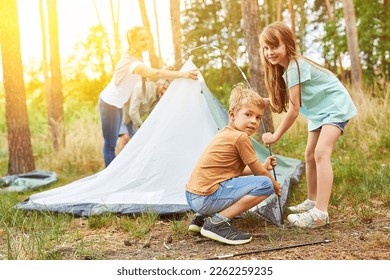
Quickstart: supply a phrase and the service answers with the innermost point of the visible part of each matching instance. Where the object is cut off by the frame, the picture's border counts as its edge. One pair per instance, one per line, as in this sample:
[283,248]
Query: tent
[151,171]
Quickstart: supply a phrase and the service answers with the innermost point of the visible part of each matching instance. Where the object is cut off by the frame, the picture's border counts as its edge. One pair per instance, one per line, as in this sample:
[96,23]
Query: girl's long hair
[272,35]
[277,89]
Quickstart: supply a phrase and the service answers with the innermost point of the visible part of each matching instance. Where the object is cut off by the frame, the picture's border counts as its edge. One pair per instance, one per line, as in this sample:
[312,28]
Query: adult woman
[129,70]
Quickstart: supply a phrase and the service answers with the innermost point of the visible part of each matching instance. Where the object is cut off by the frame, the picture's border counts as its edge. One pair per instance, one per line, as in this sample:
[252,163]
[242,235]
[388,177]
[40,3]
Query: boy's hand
[278,189]
[270,163]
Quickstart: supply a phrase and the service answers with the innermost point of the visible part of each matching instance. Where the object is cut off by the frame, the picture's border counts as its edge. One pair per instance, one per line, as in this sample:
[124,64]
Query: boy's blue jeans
[111,118]
[229,192]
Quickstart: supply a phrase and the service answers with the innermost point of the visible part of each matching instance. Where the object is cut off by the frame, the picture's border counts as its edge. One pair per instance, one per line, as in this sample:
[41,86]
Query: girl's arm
[289,118]
[155,74]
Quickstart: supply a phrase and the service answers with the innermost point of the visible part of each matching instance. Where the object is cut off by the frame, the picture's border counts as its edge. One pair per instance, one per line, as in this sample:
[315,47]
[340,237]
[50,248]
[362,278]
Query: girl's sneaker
[303,207]
[310,219]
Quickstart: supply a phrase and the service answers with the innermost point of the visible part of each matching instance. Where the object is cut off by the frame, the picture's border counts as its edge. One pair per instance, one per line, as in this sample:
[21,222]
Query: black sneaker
[196,223]
[223,232]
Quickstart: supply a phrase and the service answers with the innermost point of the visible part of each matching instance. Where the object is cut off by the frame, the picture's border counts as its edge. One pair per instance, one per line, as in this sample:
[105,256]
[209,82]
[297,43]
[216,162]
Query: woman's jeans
[111,118]
[228,193]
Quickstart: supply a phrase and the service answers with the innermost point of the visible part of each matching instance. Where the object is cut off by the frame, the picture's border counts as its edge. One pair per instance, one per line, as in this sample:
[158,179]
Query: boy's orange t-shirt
[225,158]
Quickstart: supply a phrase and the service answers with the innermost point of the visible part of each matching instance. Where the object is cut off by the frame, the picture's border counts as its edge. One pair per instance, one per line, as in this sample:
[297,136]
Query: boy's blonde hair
[242,95]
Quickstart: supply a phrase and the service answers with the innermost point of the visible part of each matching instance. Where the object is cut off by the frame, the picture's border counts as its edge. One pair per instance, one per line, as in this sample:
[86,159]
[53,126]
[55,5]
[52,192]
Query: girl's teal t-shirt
[324,98]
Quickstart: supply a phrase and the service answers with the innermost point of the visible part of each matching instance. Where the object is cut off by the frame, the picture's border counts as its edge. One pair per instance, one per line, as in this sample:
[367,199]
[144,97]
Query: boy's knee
[264,188]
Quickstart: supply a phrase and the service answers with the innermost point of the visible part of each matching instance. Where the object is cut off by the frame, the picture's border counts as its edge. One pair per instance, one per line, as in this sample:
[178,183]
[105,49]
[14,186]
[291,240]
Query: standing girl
[296,84]
[129,70]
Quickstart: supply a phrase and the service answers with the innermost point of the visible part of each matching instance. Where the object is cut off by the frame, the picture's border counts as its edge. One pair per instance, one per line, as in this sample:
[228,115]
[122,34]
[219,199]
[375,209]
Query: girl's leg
[327,139]
[310,165]
[111,118]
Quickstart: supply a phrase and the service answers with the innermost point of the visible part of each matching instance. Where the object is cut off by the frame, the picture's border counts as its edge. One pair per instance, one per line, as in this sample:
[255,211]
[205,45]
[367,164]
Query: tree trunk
[176,28]
[154,61]
[112,58]
[353,49]
[292,15]
[329,10]
[115,25]
[21,158]
[250,14]
[54,110]
[279,16]
[157,33]
[45,67]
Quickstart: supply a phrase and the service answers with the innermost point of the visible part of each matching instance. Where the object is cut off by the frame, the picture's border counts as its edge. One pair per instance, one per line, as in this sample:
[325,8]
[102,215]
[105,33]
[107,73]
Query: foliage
[215,23]
[88,71]
[373,35]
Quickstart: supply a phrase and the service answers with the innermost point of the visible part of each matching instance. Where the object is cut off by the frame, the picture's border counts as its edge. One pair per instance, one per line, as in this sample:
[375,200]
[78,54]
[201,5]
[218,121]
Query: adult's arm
[155,74]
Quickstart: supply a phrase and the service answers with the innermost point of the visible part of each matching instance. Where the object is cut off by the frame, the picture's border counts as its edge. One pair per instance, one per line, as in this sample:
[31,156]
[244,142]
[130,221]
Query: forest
[49,118]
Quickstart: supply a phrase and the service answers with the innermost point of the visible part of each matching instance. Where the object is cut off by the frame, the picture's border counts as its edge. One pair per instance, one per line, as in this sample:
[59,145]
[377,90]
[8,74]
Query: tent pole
[269,250]
[273,169]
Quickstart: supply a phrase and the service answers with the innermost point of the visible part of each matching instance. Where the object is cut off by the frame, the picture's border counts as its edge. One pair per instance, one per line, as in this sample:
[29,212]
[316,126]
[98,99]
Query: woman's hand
[192,74]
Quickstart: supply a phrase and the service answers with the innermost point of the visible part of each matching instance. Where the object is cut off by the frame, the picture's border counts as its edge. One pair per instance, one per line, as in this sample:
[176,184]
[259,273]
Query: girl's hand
[270,163]
[269,138]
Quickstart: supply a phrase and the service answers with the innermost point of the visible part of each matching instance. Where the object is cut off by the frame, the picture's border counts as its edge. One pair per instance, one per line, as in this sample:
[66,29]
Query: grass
[361,164]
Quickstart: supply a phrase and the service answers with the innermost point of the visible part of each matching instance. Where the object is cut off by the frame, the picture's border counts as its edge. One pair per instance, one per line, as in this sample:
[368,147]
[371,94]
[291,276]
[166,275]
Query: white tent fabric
[151,171]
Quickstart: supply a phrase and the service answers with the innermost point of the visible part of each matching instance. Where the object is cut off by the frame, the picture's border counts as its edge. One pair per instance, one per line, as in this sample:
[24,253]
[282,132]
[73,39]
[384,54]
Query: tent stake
[269,250]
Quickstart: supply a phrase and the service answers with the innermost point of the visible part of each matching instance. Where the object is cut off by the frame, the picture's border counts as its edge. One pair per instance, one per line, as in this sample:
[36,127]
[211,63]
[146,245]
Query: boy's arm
[135,102]
[247,171]
[269,164]
[258,169]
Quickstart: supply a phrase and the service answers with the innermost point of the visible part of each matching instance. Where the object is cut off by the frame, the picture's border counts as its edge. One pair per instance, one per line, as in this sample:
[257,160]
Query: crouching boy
[215,190]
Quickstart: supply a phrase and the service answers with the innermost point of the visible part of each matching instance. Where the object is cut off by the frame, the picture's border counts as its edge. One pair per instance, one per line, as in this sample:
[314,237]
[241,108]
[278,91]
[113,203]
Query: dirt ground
[361,240]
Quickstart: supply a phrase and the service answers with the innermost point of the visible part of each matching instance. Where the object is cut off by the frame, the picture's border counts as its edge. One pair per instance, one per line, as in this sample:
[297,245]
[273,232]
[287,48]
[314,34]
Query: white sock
[321,213]
[311,201]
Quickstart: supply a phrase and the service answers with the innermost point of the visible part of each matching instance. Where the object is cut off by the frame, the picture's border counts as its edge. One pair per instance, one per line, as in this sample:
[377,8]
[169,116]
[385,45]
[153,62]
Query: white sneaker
[309,219]
[303,207]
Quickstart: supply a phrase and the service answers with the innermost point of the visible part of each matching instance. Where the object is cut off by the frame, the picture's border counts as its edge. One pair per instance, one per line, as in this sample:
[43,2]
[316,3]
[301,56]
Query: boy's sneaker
[309,219]
[223,232]
[196,223]
[303,207]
